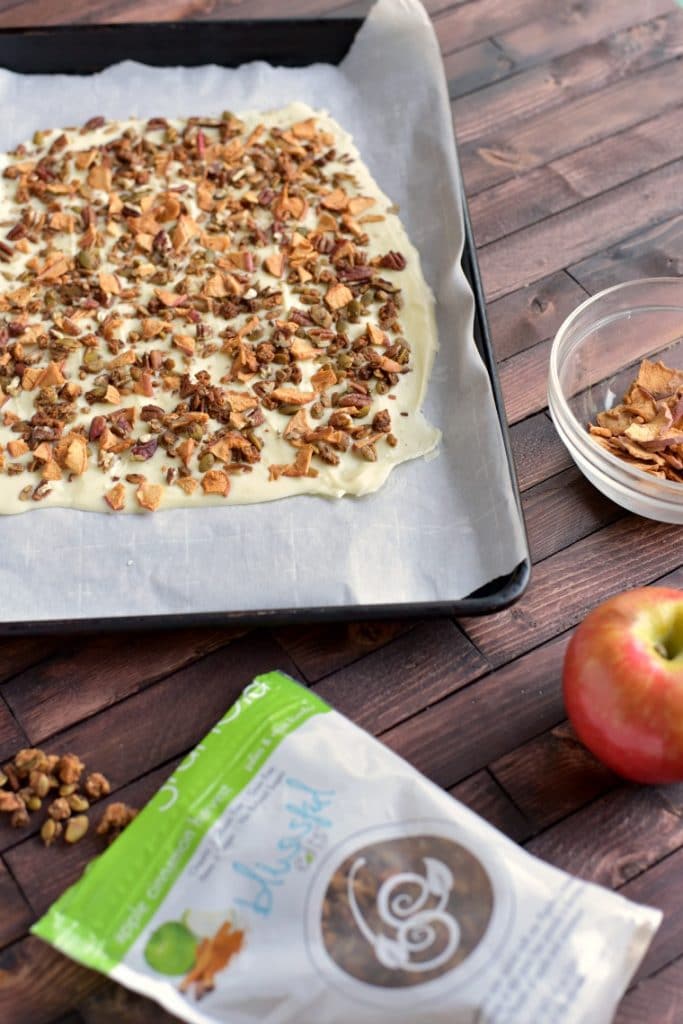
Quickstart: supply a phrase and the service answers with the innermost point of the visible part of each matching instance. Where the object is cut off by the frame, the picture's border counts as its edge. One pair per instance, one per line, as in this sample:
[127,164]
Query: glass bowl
[593,360]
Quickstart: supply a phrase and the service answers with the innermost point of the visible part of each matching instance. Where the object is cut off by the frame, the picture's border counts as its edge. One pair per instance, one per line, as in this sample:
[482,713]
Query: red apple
[623,683]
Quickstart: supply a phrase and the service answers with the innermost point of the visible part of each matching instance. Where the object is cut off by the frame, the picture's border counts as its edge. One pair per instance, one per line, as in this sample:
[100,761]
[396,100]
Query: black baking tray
[83,49]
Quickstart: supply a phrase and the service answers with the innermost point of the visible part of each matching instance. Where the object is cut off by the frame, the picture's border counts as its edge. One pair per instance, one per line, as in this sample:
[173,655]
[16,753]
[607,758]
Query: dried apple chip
[643,430]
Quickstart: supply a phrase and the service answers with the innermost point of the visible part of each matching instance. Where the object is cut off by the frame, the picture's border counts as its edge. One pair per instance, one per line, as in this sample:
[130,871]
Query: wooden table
[569,118]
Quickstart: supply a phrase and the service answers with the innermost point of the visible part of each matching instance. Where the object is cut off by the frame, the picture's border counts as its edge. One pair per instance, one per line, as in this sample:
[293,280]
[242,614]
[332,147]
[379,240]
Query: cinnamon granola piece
[116,817]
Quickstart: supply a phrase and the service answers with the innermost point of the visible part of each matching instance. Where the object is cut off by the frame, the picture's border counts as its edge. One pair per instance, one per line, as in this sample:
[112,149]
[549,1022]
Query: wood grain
[547,608]
[567,237]
[660,887]
[482,794]
[478,65]
[330,647]
[536,141]
[563,30]
[530,315]
[655,252]
[484,19]
[589,171]
[551,776]
[475,726]
[524,381]
[383,688]
[548,86]
[12,737]
[537,451]
[658,1000]
[19,652]
[617,837]
[46,12]
[570,121]
[112,1004]
[16,914]
[37,984]
[562,510]
[101,671]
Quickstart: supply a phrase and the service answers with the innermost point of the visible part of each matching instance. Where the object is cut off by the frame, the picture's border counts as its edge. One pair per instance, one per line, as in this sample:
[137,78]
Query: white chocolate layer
[354,475]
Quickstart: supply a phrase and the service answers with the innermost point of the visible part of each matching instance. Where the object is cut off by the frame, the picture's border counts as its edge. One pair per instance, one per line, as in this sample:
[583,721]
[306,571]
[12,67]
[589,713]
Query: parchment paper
[440,527]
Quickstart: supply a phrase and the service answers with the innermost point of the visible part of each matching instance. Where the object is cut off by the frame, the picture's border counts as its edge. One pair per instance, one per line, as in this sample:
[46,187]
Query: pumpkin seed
[76,829]
[50,831]
[78,803]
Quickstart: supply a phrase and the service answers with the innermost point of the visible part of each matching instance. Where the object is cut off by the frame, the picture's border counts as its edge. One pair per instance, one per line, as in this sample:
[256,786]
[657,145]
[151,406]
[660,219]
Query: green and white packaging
[295,870]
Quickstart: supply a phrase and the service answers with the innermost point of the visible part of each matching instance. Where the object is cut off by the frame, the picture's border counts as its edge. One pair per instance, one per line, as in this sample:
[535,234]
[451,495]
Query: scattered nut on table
[56,783]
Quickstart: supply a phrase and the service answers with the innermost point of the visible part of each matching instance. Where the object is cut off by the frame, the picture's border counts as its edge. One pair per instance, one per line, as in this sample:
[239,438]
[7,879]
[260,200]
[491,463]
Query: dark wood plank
[359,8]
[482,794]
[617,837]
[551,85]
[431,661]
[327,648]
[530,315]
[101,671]
[166,719]
[551,776]
[626,155]
[655,252]
[480,19]
[19,652]
[478,65]
[20,13]
[46,12]
[567,237]
[659,999]
[660,886]
[570,119]
[565,586]
[537,451]
[45,872]
[500,155]
[112,1004]
[562,510]
[474,726]
[16,914]
[38,984]
[622,26]
[524,381]
[519,202]
[522,201]
[12,736]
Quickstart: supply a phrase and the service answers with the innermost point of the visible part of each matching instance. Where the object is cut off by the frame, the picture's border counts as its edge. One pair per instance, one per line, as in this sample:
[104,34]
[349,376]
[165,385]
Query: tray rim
[492,597]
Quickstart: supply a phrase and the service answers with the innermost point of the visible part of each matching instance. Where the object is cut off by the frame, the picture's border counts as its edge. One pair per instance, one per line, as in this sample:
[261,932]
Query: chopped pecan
[381,422]
[393,261]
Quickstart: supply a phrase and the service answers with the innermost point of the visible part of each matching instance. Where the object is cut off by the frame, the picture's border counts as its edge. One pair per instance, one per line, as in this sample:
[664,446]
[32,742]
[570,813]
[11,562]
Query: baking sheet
[440,527]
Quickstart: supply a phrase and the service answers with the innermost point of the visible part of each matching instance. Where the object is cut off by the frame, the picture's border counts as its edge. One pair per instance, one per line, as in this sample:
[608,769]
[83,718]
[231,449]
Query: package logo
[403,911]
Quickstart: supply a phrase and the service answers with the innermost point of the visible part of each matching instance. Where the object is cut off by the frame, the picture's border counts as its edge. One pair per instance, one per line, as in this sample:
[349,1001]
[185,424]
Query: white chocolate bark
[131,269]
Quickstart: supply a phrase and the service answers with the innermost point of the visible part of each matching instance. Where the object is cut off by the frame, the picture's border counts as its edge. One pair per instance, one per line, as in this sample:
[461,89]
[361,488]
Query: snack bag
[295,871]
